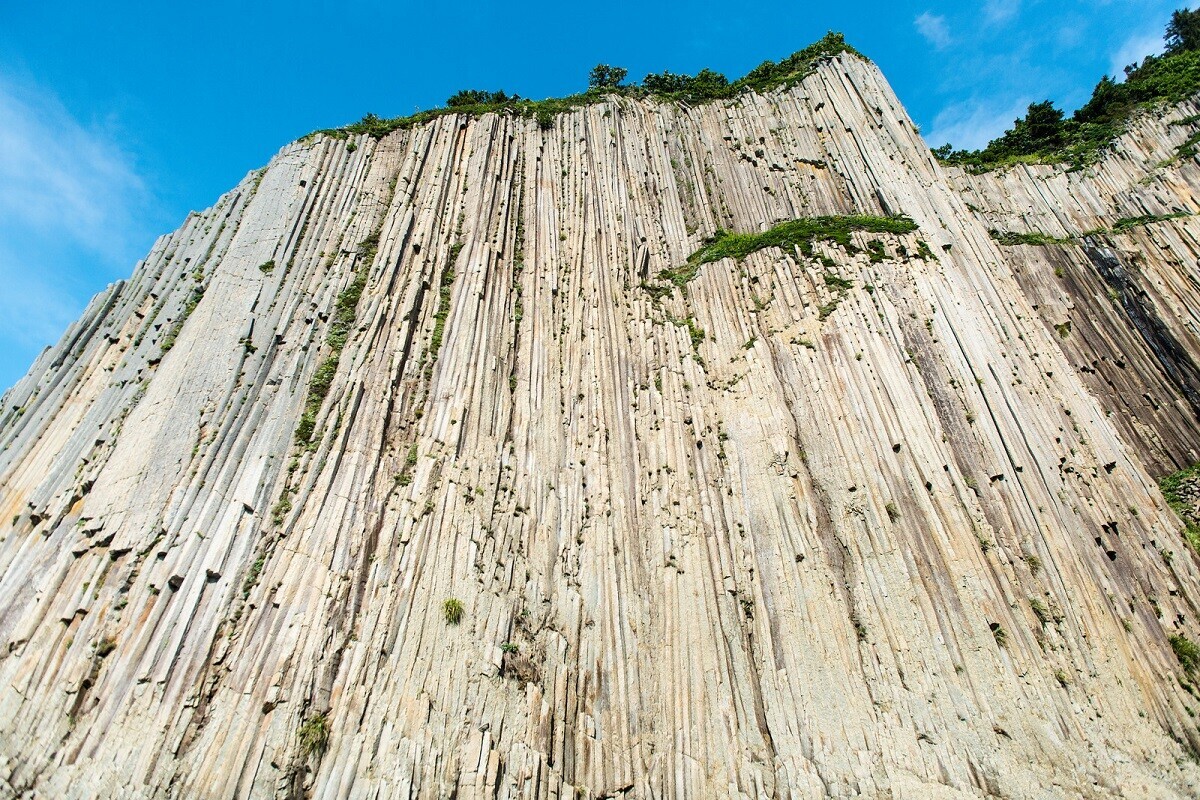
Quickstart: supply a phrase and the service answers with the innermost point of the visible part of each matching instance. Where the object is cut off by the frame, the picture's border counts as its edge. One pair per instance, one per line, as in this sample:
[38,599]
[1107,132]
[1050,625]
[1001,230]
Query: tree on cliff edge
[1183,31]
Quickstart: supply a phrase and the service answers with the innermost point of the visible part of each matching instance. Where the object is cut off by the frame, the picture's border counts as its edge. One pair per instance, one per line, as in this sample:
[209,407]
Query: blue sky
[118,118]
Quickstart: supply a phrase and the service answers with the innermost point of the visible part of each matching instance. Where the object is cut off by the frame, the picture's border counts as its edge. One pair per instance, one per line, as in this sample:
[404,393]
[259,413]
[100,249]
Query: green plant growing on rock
[1040,611]
[798,233]
[314,735]
[1187,652]
[452,610]
[1175,488]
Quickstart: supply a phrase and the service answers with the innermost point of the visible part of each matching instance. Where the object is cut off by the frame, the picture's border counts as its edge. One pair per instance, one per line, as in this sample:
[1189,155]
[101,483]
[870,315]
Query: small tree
[1183,31]
[1044,123]
[604,76]
[475,97]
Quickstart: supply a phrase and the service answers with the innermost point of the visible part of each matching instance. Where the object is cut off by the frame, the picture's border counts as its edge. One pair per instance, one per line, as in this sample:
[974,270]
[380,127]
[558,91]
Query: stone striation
[861,524]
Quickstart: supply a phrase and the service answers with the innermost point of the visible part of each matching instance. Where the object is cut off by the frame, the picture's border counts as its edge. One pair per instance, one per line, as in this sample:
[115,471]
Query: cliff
[430,466]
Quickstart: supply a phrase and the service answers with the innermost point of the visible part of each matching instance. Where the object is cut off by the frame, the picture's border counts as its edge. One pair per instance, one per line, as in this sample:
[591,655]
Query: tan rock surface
[756,537]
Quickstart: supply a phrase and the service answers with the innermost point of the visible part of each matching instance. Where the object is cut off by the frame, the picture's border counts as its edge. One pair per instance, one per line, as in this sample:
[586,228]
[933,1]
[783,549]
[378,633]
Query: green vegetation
[188,307]
[267,267]
[703,86]
[604,76]
[474,97]
[801,233]
[1040,611]
[1045,136]
[605,80]
[1187,652]
[837,283]
[1009,239]
[1126,223]
[345,311]
[105,646]
[410,461]
[443,309]
[252,574]
[892,512]
[1172,488]
[452,610]
[999,634]
[314,735]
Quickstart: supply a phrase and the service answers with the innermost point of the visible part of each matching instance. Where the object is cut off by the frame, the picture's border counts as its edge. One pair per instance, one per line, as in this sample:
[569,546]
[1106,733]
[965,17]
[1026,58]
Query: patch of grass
[252,575]
[410,461]
[1064,329]
[798,233]
[1187,652]
[892,512]
[1128,223]
[876,250]
[443,309]
[189,306]
[1040,611]
[1009,239]
[1172,487]
[267,267]
[825,310]
[999,634]
[452,610]
[314,735]
[105,646]
[345,311]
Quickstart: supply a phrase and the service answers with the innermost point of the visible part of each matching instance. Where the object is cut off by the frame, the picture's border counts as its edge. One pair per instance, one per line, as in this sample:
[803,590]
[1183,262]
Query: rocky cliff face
[880,521]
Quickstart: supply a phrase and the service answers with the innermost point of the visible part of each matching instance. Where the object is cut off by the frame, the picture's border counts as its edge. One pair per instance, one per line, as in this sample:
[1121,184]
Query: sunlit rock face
[430,466]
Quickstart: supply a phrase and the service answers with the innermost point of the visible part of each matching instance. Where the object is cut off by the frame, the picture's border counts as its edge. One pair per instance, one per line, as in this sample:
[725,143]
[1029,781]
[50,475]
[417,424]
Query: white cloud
[74,214]
[998,11]
[933,27]
[1133,50]
[972,124]
[58,177]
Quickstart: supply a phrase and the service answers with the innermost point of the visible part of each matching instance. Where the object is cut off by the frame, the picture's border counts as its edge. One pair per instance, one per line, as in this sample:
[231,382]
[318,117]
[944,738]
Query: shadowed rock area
[439,466]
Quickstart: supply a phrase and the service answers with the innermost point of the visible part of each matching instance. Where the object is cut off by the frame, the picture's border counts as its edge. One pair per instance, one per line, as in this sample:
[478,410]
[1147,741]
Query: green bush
[1172,487]
[1187,652]
[474,97]
[604,76]
[452,610]
[314,735]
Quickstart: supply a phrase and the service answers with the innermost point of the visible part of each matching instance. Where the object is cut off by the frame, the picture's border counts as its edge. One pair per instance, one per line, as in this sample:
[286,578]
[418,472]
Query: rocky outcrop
[401,472]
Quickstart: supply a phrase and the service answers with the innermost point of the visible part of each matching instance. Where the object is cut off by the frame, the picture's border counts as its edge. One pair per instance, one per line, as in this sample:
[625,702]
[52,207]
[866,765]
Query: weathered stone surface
[760,536]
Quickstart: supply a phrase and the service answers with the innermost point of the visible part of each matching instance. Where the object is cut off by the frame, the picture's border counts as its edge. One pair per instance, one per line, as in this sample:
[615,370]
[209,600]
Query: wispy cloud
[73,213]
[972,124]
[934,28]
[996,12]
[1133,50]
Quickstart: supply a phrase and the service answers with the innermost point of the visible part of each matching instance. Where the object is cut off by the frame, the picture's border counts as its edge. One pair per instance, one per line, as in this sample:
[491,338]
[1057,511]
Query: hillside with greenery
[605,80]
[1045,135]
